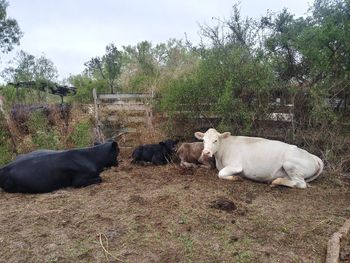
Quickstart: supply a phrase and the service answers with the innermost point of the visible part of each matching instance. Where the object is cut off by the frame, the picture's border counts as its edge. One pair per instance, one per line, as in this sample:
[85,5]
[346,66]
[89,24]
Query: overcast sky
[70,32]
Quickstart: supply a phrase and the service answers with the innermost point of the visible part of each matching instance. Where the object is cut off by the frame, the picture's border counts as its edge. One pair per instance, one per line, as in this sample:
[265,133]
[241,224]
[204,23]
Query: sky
[71,32]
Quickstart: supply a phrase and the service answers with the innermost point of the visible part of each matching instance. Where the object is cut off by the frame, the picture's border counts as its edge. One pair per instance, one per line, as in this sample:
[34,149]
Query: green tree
[282,32]
[232,79]
[85,85]
[108,67]
[10,32]
[148,68]
[27,67]
[313,52]
[325,44]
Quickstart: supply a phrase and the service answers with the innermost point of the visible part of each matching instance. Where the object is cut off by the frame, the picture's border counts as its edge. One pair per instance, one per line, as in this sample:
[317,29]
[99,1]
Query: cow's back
[259,157]
[146,152]
[46,170]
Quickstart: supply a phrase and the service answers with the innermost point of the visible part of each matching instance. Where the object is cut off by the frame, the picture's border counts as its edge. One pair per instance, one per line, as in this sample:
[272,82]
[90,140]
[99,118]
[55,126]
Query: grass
[81,135]
[45,131]
[188,245]
[79,249]
[243,257]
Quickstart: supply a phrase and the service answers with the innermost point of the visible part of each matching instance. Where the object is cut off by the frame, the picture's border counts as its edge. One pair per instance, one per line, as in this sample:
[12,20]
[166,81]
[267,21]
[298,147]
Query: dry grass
[166,214]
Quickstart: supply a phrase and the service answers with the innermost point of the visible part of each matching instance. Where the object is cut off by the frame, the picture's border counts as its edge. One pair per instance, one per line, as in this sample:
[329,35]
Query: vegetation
[10,31]
[244,70]
[53,128]
[5,146]
[107,68]
[248,64]
[27,67]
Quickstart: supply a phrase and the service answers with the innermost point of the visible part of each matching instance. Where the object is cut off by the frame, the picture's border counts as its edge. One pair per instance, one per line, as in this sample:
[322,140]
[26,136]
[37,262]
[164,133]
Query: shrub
[81,135]
[5,147]
[43,135]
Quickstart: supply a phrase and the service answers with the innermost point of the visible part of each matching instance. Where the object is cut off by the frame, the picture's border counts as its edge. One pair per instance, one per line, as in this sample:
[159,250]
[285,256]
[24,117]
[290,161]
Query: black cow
[44,171]
[155,153]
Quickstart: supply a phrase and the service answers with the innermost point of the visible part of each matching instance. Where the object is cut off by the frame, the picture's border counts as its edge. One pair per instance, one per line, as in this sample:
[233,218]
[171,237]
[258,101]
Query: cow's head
[170,145]
[113,151]
[212,140]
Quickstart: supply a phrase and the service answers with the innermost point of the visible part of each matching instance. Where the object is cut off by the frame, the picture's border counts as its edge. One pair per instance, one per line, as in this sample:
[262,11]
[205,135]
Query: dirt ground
[165,214]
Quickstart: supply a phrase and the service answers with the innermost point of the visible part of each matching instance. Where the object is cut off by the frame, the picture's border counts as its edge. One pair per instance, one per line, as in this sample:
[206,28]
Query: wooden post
[98,133]
[333,246]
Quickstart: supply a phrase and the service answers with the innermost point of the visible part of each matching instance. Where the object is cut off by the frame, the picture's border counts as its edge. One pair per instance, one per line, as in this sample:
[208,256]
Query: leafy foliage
[27,67]
[107,67]
[44,136]
[246,64]
[10,32]
[81,135]
[5,147]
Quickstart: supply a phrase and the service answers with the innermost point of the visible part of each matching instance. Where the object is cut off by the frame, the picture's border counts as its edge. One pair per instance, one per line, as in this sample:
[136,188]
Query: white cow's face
[212,141]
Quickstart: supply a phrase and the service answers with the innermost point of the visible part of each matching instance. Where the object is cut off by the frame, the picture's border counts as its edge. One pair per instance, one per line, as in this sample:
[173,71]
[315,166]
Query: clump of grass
[81,135]
[5,147]
[188,244]
[243,257]
[43,135]
[44,130]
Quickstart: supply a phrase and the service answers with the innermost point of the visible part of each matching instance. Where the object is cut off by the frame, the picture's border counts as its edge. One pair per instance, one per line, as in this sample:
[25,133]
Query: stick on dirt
[105,250]
[333,246]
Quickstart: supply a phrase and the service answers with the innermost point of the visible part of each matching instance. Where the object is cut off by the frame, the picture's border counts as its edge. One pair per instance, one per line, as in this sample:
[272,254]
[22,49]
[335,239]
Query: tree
[9,30]
[108,67]
[147,68]
[325,44]
[30,69]
[282,33]
[27,67]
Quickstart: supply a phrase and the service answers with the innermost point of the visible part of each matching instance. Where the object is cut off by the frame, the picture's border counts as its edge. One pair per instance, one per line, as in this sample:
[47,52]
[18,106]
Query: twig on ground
[106,250]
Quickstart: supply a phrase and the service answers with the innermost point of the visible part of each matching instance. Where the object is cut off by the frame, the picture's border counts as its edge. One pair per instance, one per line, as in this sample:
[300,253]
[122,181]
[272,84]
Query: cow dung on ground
[223,204]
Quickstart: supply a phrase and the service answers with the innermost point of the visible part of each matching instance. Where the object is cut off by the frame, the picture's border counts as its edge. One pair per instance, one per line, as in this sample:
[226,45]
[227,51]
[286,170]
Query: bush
[43,135]
[5,147]
[228,83]
[81,135]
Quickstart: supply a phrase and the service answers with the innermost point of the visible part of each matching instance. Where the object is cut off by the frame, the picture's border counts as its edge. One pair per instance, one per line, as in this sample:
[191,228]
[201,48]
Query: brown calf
[190,155]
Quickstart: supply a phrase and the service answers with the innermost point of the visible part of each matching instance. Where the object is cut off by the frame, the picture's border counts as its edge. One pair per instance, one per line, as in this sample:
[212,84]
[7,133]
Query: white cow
[260,159]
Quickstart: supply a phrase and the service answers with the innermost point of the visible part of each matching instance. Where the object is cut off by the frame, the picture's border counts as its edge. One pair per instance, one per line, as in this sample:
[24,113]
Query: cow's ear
[199,135]
[225,135]
[176,141]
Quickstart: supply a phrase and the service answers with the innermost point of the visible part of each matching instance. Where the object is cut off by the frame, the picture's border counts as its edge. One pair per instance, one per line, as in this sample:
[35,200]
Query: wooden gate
[124,115]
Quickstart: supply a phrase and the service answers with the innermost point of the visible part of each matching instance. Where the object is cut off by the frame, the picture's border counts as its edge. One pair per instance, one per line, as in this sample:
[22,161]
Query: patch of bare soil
[167,214]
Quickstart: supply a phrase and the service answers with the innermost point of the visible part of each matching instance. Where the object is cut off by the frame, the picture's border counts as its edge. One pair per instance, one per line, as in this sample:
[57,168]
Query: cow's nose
[207,153]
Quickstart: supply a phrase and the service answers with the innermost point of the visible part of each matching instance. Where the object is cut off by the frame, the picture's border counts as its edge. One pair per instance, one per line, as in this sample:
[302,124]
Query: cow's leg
[83,181]
[159,159]
[206,166]
[283,181]
[204,163]
[187,165]
[229,172]
[295,175]
[9,186]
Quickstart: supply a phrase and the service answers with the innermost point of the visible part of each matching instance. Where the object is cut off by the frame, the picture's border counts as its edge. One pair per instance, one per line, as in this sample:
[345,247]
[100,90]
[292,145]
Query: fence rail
[123,96]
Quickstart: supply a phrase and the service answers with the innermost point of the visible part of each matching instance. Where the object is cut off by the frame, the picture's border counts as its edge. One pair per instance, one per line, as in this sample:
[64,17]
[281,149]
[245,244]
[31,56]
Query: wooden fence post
[97,129]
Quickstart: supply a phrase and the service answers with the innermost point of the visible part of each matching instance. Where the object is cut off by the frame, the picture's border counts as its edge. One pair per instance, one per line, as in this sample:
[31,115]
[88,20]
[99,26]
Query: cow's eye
[215,141]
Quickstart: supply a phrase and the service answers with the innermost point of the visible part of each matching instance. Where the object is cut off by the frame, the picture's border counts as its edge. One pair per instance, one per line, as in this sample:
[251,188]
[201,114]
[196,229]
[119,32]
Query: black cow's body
[46,170]
[155,153]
